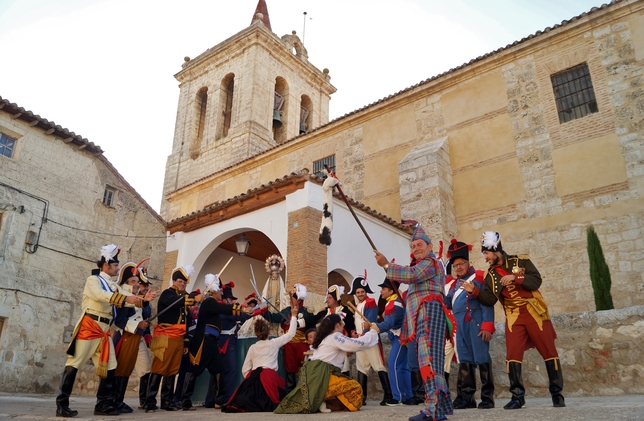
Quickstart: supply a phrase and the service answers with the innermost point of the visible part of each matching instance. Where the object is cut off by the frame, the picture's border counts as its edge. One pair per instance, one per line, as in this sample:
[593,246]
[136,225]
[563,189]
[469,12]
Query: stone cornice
[255,34]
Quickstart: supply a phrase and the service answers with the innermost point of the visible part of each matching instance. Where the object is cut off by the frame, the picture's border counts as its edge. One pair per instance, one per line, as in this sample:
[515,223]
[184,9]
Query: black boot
[556,382]
[291,382]
[362,379]
[167,394]
[417,387]
[66,386]
[516,386]
[211,394]
[105,396]
[188,388]
[120,387]
[143,389]
[487,386]
[458,401]
[388,398]
[446,374]
[154,382]
[468,386]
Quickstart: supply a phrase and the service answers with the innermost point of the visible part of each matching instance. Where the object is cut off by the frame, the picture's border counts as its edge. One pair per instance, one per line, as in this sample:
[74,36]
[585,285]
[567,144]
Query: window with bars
[7,145]
[318,166]
[108,196]
[574,94]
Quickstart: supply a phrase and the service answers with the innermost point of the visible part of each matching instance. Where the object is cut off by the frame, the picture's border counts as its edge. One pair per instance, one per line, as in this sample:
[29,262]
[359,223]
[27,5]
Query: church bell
[277,119]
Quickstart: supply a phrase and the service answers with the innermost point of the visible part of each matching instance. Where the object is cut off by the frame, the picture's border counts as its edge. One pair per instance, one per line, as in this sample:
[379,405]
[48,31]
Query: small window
[318,166]
[108,196]
[574,93]
[7,145]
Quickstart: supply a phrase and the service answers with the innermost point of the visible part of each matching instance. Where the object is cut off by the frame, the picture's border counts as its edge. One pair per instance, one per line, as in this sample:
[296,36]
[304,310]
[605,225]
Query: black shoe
[66,412]
[513,404]
[108,410]
[410,401]
[392,402]
[125,408]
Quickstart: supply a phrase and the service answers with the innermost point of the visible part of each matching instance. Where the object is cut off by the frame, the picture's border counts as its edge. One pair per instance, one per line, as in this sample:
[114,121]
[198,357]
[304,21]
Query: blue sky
[104,68]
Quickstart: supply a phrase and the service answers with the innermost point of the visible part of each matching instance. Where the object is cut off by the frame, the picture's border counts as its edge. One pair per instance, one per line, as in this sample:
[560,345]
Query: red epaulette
[370,303]
[389,308]
[479,275]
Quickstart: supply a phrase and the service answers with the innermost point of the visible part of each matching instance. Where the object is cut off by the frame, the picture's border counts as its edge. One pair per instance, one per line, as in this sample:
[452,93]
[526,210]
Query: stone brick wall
[306,257]
[41,289]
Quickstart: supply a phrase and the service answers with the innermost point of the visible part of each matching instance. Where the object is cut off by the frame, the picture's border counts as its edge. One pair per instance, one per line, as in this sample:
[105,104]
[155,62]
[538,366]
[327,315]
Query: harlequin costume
[372,357]
[169,340]
[425,322]
[400,375]
[471,318]
[527,322]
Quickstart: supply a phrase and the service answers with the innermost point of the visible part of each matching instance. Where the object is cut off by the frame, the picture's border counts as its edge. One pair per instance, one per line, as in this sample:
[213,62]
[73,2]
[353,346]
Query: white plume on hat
[490,240]
[188,270]
[109,251]
[300,290]
[213,280]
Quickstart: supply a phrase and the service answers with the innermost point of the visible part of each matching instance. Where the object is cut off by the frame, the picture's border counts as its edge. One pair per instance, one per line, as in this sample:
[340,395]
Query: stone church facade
[536,140]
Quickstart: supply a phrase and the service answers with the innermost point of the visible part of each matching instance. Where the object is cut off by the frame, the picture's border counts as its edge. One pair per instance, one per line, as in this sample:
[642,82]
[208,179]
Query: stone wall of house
[51,197]
[600,353]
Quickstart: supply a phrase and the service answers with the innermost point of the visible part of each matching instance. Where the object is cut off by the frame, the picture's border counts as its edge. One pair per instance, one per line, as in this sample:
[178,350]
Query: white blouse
[333,348]
[264,353]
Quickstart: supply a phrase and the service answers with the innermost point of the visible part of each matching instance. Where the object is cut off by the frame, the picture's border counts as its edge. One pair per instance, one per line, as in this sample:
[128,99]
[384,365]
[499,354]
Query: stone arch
[281,95]
[340,277]
[226,96]
[199,122]
[306,114]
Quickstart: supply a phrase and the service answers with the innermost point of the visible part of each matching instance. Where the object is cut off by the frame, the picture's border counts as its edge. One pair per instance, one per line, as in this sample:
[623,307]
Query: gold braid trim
[117,299]
[189,302]
[237,310]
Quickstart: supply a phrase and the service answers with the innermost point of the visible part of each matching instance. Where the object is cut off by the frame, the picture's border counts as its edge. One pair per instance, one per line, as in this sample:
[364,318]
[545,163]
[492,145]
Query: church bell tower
[243,96]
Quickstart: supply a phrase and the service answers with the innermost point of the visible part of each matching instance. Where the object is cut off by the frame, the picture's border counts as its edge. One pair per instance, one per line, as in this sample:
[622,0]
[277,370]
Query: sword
[182,297]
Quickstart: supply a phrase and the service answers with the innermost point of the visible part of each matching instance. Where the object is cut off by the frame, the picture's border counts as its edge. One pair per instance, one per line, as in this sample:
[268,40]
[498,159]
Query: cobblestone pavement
[631,408]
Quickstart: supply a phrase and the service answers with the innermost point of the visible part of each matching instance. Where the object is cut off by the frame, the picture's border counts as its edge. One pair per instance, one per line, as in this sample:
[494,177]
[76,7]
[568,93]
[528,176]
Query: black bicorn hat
[127,271]
[387,284]
[458,249]
[491,241]
[360,282]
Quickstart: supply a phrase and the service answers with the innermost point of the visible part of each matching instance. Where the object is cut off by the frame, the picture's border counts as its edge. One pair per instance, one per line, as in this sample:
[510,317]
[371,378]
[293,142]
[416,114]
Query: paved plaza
[630,407]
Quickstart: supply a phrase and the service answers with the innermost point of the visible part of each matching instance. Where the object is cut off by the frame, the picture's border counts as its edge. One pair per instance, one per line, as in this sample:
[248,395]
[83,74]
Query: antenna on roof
[304,28]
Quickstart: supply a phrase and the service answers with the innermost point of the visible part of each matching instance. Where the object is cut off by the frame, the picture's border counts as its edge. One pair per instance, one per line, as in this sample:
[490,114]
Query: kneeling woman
[320,382]
[262,388]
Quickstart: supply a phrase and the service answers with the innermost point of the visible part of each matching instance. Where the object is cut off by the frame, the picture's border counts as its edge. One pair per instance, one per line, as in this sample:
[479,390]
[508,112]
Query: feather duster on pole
[327,211]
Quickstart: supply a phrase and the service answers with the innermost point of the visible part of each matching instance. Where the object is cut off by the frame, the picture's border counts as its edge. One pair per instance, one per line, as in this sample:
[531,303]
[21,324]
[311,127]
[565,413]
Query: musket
[182,297]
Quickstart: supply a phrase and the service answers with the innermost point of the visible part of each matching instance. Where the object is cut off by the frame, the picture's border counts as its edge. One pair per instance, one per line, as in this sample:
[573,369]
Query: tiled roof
[69,137]
[302,175]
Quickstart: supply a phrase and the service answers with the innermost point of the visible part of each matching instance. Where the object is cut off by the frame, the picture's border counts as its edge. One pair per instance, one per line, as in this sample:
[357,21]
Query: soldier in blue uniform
[475,328]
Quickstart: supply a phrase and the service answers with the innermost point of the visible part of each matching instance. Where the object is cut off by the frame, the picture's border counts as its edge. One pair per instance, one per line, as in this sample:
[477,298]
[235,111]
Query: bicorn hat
[336,292]
[300,291]
[127,271]
[387,284]
[491,241]
[183,272]
[110,254]
[360,282]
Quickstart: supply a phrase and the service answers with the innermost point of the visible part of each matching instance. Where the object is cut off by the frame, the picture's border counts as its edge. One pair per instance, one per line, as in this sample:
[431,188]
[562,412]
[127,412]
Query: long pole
[364,231]
[304,28]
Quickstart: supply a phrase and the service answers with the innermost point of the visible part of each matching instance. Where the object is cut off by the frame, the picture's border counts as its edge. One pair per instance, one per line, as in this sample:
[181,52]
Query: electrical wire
[110,234]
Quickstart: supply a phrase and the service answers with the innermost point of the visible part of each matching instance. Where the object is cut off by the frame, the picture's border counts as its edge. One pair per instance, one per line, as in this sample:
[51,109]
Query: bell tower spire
[262,10]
